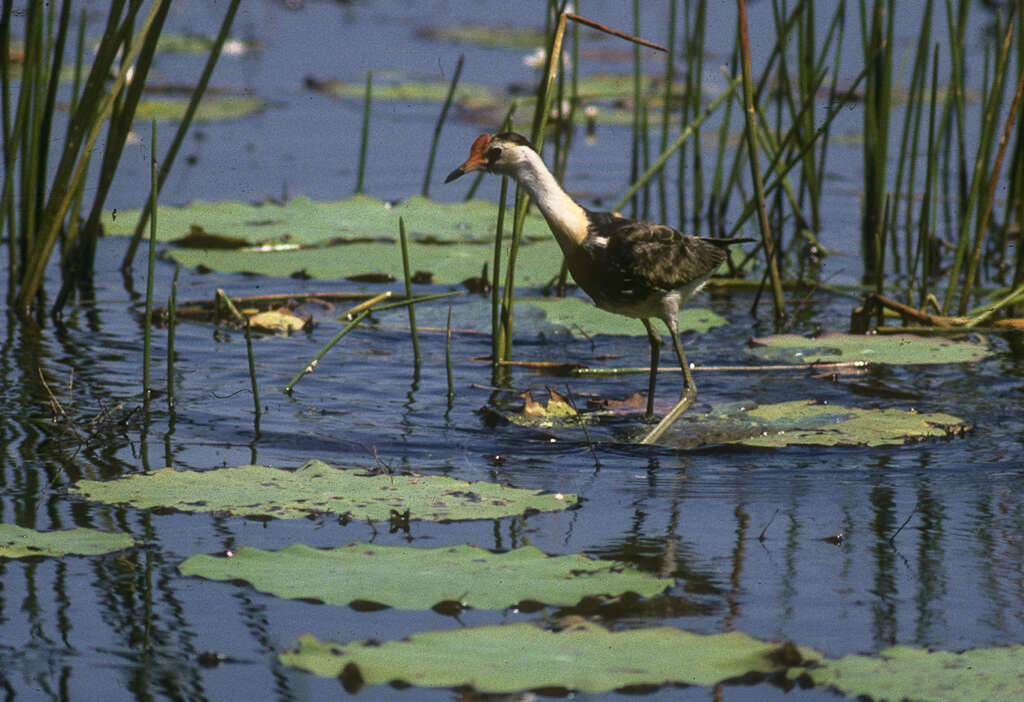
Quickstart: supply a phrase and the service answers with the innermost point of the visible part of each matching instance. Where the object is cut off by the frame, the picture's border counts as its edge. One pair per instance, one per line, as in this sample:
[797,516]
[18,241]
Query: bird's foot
[689,396]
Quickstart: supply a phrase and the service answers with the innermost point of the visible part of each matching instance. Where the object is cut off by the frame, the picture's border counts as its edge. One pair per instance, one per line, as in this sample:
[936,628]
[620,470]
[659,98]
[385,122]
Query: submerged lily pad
[315,489]
[902,673]
[895,348]
[581,656]
[809,423]
[584,319]
[466,575]
[18,542]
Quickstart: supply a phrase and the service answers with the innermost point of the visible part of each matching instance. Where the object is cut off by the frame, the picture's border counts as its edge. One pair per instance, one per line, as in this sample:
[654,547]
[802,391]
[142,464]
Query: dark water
[127,626]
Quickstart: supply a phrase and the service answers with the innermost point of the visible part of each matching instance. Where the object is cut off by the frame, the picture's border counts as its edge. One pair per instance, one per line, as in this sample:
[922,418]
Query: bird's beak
[476,161]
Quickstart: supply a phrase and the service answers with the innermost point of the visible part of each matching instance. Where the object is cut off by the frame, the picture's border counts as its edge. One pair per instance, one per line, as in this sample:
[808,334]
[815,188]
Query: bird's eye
[493,153]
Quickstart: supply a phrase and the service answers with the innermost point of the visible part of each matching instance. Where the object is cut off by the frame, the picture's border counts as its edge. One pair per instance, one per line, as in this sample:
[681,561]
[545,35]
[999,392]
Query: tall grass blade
[982,228]
[986,137]
[364,132]
[406,269]
[172,330]
[186,122]
[70,171]
[755,169]
[327,347]
[440,123]
[148,329]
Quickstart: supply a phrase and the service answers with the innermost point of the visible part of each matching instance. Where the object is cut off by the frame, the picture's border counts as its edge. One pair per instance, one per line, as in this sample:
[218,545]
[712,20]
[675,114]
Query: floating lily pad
[316,488]
[895,348]
[211,109]
[358,218]
[451,241]
[486,35]
[447,265]
[901,673]
[18,542]
[584,319]
[181,44]
[466,575]
[403,89]
[809,423]
[582,656]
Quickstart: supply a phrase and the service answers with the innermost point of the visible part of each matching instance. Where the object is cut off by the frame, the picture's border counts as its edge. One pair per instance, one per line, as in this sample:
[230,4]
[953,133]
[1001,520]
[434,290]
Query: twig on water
[765,530]
[905,522]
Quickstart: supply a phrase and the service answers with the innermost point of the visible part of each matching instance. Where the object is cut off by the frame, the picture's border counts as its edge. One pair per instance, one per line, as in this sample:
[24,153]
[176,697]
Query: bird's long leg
[686,397]
[655,339]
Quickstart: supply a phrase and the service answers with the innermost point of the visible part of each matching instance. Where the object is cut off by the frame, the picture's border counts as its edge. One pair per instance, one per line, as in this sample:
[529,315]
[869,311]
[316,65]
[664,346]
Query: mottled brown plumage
[630,267]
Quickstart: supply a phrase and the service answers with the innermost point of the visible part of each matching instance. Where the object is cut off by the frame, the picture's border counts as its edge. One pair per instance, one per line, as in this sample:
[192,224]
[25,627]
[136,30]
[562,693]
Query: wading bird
[629,267]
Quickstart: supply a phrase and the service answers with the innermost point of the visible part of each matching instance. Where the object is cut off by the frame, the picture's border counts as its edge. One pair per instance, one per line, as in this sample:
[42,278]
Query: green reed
[147,333]
[364,132]
[876,40]
[439,124]
[768,242]
[172,328]
[407,272]
[39,198]
[179,136]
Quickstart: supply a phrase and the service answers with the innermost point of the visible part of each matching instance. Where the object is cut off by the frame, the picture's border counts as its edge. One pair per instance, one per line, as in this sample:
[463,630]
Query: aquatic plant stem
[148,329]
[406,269]
[755,167]
[448,353]
[979,235]
[172,326]
[252,370]
[659,163]
[440,123]
[316,359]
[186,122]
[70,173]
[364,134]
[497,327]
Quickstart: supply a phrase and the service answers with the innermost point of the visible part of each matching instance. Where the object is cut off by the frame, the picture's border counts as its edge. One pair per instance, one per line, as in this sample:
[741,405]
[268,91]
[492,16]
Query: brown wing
[653,257]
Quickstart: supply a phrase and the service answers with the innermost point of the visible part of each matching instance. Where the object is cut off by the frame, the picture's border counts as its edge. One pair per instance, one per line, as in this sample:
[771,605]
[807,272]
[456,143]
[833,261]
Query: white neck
[567,220]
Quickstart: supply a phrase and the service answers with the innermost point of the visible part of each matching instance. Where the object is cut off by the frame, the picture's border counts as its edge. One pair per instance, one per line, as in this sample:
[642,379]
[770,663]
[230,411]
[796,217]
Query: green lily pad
[486,35]
[466,575]
[211,109]
[448,265]
[182,44]
[451,241]
[18,542]
[315,489]
[395,87]
[584,319]
[901,673]
[581,656]
[895,348]
[809,423]
[359,218]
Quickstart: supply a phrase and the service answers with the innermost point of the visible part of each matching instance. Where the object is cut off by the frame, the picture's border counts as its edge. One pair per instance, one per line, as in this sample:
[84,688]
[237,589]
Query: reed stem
[408,291]
[440,123]
[172,327]
[755,168]
[364,134]
[148,329]
[327,347]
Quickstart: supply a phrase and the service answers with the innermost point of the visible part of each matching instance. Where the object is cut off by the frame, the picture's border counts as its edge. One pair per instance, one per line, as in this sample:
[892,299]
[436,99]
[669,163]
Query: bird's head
[501,153]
